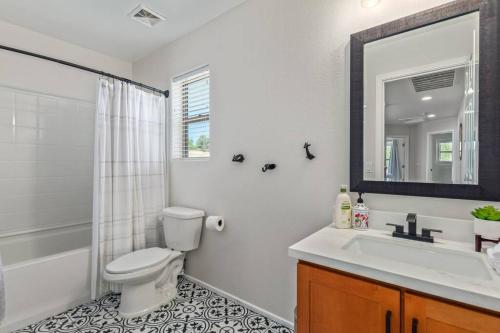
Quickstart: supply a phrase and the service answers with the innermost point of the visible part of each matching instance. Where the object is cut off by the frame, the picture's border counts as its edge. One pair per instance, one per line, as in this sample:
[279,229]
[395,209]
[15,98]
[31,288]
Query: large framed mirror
[425,104]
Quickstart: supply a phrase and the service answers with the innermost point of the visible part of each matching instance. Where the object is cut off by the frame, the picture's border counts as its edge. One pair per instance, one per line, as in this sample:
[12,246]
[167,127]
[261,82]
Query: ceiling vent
[433,81]
[411,121]
[146,16]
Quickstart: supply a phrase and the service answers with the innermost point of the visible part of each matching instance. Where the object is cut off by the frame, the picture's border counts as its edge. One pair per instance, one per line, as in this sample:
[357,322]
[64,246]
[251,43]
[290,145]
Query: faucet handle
[400,229]
[427,232]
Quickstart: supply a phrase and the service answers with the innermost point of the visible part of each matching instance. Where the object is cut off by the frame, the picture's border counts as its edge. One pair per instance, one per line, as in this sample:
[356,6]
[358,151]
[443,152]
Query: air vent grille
[433,81]
[411,121]
[146,16]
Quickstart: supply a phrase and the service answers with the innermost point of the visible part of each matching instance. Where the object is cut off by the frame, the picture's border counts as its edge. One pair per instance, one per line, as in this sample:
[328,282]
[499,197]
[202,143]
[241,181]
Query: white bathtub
[46,273]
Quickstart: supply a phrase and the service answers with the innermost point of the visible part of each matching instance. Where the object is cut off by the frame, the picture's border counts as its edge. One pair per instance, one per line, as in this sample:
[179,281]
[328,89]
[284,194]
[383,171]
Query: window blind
[191,115]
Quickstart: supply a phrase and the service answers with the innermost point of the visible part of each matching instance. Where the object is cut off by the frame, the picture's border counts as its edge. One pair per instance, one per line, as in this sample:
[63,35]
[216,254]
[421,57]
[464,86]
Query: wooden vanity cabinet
[333,302]
[423,314]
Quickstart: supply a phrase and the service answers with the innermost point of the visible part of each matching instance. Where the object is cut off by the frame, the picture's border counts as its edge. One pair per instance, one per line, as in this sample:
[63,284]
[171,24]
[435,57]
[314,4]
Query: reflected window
[445,152]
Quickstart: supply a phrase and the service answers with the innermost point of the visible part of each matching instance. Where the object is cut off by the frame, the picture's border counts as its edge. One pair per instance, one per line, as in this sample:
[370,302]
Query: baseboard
[249,305]
[18,324]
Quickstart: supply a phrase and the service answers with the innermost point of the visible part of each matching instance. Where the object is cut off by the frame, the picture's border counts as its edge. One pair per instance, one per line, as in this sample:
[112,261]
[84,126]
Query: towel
[495,251]
[2,292]
[493,255]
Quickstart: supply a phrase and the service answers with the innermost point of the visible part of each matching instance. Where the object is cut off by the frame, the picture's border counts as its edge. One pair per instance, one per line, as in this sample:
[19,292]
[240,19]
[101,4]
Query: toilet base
[139,299]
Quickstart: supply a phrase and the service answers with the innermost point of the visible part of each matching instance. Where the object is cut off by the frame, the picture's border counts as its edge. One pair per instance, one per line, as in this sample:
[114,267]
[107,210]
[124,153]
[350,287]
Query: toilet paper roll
[215,223]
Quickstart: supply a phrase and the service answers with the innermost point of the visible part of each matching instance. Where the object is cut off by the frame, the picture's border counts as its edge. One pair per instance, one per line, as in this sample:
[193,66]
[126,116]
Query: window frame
[187,120]
[439,151]
[183,80]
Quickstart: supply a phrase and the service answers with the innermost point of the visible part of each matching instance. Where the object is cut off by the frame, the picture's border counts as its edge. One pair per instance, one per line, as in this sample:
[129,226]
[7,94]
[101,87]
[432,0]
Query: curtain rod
[166,93]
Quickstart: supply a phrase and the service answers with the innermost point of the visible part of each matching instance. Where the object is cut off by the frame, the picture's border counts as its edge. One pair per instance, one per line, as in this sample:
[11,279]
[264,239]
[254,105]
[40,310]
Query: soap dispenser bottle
[342,209]
[360,214]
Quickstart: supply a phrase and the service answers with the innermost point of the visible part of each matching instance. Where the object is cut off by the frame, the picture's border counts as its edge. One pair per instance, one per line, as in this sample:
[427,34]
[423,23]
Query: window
[191,115]
[445,151]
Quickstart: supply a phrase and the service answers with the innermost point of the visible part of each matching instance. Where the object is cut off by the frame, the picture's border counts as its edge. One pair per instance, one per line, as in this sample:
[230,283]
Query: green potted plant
[487,222]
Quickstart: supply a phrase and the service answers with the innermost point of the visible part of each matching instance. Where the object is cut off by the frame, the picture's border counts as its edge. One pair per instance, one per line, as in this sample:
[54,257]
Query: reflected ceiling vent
[433,81]
[146,16]
[411,121]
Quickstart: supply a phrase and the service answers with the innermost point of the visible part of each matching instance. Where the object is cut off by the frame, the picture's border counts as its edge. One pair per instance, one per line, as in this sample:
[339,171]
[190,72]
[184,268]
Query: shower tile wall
[46,149]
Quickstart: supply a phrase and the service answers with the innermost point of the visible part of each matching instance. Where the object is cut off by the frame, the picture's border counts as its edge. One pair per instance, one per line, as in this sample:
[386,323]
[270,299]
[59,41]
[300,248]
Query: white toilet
[149,276]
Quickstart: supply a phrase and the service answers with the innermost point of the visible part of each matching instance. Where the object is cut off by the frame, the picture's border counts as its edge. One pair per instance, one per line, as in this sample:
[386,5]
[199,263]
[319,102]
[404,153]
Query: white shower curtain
[129,174]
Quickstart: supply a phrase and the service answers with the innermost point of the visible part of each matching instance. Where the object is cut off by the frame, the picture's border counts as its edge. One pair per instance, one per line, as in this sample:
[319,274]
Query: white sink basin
[429,256]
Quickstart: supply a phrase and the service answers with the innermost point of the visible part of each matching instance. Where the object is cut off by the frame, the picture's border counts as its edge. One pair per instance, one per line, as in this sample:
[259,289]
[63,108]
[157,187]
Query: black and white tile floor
[195,310]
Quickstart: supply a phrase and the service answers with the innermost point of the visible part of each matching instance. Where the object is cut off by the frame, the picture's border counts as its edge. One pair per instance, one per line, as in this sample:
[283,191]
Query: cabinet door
[329,302]
[431,316]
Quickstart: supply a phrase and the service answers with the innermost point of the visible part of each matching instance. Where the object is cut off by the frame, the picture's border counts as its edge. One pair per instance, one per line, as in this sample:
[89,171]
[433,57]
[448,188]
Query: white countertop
[326,248]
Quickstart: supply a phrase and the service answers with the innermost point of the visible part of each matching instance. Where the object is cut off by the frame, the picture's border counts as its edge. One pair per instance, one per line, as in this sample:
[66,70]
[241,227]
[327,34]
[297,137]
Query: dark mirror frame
[488,187]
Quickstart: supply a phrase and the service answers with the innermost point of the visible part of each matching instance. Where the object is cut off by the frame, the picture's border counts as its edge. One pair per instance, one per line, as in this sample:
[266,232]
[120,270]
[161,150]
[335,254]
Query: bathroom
[274,75]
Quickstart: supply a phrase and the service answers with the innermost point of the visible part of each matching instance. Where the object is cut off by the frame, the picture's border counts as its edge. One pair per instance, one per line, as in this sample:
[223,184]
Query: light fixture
[431,115]
[369,3]
[426,98]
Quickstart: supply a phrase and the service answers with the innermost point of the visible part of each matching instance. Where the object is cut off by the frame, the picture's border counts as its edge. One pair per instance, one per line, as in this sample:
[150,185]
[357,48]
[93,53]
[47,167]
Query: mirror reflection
[421,104]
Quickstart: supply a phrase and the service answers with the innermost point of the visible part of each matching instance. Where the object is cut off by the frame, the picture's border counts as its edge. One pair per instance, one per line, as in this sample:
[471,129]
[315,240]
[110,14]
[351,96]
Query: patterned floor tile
[195,310]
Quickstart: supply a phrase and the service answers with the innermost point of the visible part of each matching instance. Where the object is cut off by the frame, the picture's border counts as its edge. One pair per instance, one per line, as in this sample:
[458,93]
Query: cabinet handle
[388,316]
[414,325]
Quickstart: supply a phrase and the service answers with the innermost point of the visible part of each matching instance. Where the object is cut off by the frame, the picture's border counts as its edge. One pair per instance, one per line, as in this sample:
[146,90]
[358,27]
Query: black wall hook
[309,156]
[266,167]
[238,158]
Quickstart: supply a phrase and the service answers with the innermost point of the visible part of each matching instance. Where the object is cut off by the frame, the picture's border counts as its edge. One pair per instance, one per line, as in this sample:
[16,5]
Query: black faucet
[411,218]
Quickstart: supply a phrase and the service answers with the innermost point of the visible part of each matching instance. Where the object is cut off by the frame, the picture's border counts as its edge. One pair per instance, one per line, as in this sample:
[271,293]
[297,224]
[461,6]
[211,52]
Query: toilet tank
[182,228]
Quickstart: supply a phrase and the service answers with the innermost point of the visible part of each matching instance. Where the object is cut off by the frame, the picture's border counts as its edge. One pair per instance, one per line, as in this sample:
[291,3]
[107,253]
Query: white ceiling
[103,25]
[403,102]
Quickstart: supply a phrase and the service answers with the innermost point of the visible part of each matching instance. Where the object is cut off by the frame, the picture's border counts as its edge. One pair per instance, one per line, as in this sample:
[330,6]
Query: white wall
[422,155]
[42,76]
[279,78]
[396,130]
[46,131]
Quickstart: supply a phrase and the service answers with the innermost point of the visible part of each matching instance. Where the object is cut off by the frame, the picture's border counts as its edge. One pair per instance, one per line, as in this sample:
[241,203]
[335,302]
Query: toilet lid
[138,260]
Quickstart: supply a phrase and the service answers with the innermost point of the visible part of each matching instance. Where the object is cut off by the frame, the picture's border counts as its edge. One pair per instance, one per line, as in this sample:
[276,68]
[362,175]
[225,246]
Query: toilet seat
[139,265]
[138,260]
